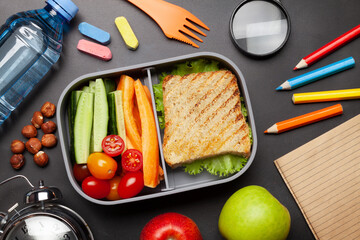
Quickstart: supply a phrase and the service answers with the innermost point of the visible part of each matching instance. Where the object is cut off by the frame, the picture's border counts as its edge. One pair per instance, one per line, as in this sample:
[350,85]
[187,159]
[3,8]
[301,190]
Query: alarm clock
[42,218]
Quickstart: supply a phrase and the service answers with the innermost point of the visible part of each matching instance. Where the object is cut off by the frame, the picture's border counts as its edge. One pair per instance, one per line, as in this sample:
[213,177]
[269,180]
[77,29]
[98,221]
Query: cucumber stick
[92,86]
[82,127]
[92,90]
[110,85]
[86,89]
[74,98]
[116,98]
[101,115]
[112,127]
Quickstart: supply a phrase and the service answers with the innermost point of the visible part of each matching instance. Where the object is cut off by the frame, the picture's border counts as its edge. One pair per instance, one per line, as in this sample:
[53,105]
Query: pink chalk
[94,49]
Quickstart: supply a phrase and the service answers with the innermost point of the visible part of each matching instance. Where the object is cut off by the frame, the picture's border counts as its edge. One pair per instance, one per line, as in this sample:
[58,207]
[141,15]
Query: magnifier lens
[260,27]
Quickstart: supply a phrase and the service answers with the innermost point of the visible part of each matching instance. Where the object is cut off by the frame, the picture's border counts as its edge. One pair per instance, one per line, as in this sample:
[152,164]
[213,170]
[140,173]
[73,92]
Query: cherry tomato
[113,145]
[95,188]
[81,172]
[132,160]
[101,166]
[113,194]
[131,184]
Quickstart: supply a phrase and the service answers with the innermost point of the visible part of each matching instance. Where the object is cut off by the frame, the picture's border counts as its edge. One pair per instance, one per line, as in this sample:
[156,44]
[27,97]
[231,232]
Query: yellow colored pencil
[326,96]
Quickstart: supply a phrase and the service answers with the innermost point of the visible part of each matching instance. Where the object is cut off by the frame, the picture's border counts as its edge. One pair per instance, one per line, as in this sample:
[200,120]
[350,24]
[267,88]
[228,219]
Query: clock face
[41,228]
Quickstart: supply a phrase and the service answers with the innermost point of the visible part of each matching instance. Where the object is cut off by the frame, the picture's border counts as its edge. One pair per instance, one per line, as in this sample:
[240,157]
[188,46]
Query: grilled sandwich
[203,117]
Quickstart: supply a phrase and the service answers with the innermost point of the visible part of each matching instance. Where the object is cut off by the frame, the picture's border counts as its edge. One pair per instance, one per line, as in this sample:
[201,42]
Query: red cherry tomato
[95,188]
[131,184]
[81,172]
[113,145]
[132,160]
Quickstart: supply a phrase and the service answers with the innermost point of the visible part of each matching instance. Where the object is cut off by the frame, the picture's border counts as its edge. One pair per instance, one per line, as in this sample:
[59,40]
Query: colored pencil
[326,96]
[305,119]
[329,48]
[317,74]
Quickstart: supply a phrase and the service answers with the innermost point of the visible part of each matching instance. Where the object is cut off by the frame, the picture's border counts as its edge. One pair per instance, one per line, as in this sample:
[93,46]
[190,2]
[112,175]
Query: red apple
[171,226]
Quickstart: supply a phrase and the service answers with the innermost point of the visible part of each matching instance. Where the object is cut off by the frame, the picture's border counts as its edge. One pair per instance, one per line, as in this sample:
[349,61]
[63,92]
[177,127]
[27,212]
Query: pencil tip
[301,64]
[279,88]
[295,68]
[266,131]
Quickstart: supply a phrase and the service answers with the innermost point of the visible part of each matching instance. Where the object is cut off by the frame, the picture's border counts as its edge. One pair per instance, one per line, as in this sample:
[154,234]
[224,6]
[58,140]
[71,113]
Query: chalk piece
[94,49]
[94,33]
[126,33]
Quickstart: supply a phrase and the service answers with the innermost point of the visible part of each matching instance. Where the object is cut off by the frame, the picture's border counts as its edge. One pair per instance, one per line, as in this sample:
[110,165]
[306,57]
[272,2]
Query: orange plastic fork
[173,20]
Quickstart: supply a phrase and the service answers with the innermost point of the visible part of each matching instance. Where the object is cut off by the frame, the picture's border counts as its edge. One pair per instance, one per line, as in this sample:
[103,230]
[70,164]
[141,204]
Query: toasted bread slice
[203,117]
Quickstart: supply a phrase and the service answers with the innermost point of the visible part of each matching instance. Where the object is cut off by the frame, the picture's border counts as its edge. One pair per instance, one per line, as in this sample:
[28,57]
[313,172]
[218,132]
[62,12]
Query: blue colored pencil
[317,74]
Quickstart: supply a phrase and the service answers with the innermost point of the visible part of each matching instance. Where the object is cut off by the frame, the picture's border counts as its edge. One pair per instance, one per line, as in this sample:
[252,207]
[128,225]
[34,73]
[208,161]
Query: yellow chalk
[126,33]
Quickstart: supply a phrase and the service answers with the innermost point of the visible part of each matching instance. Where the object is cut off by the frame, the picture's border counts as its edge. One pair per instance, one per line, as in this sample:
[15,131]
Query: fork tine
[194,19]
[193,27]
[182,38]
[191,34]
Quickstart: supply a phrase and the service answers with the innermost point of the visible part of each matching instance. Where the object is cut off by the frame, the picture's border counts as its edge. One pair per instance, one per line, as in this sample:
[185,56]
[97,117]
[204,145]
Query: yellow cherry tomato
[101,166]
[114,183]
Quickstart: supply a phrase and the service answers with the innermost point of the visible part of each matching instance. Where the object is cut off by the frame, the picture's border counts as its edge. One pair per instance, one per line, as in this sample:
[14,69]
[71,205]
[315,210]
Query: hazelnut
[17,161]
[48,140]
[41,159]
[17,146]
[48,127]
[37,119]
[29,131]
[33,145]
[48,109]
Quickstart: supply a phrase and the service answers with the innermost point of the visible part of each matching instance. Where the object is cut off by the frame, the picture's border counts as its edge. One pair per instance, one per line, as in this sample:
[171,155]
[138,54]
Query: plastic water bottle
[30,43]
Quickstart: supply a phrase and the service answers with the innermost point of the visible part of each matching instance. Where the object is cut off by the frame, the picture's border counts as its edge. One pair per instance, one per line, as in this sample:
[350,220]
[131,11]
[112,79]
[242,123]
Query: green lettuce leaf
[194,168]
[158,94]
[243,108]
[195,66]
[220,165]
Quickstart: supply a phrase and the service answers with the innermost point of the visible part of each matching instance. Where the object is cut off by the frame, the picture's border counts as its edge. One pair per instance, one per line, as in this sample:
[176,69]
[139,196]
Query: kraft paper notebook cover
[323,176]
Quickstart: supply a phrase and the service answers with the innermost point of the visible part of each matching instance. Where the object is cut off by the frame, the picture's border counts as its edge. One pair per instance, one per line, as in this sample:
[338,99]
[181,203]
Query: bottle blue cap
[65,7]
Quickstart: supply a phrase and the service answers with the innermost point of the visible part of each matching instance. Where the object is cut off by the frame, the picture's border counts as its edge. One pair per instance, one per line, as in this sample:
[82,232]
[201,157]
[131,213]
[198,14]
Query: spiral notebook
[323,176]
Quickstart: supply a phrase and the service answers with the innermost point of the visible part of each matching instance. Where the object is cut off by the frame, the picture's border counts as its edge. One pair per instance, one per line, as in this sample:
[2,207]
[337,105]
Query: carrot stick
[148,94]
[126,84]
[161,173]
[121,83]
[150,146]
[129,144]
[137,116]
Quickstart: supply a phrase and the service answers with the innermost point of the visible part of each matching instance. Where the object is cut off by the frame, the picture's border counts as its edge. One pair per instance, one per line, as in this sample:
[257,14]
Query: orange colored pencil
[305,119]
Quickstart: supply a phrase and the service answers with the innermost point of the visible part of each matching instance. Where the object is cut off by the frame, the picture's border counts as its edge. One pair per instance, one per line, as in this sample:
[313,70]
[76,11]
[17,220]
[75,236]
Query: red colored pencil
[328,48]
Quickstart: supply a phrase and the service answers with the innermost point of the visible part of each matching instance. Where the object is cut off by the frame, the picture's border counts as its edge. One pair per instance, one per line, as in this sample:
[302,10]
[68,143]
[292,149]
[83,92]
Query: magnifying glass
[260,28]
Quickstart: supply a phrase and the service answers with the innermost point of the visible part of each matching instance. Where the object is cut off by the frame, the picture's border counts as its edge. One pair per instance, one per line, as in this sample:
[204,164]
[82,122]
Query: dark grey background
[313,23]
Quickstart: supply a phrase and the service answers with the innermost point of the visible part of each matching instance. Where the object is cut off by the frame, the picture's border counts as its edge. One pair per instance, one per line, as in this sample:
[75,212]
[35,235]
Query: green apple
[252,213]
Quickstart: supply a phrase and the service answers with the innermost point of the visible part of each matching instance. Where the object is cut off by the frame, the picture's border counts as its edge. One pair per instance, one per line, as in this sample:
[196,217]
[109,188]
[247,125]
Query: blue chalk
[317,74]
[94,33]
